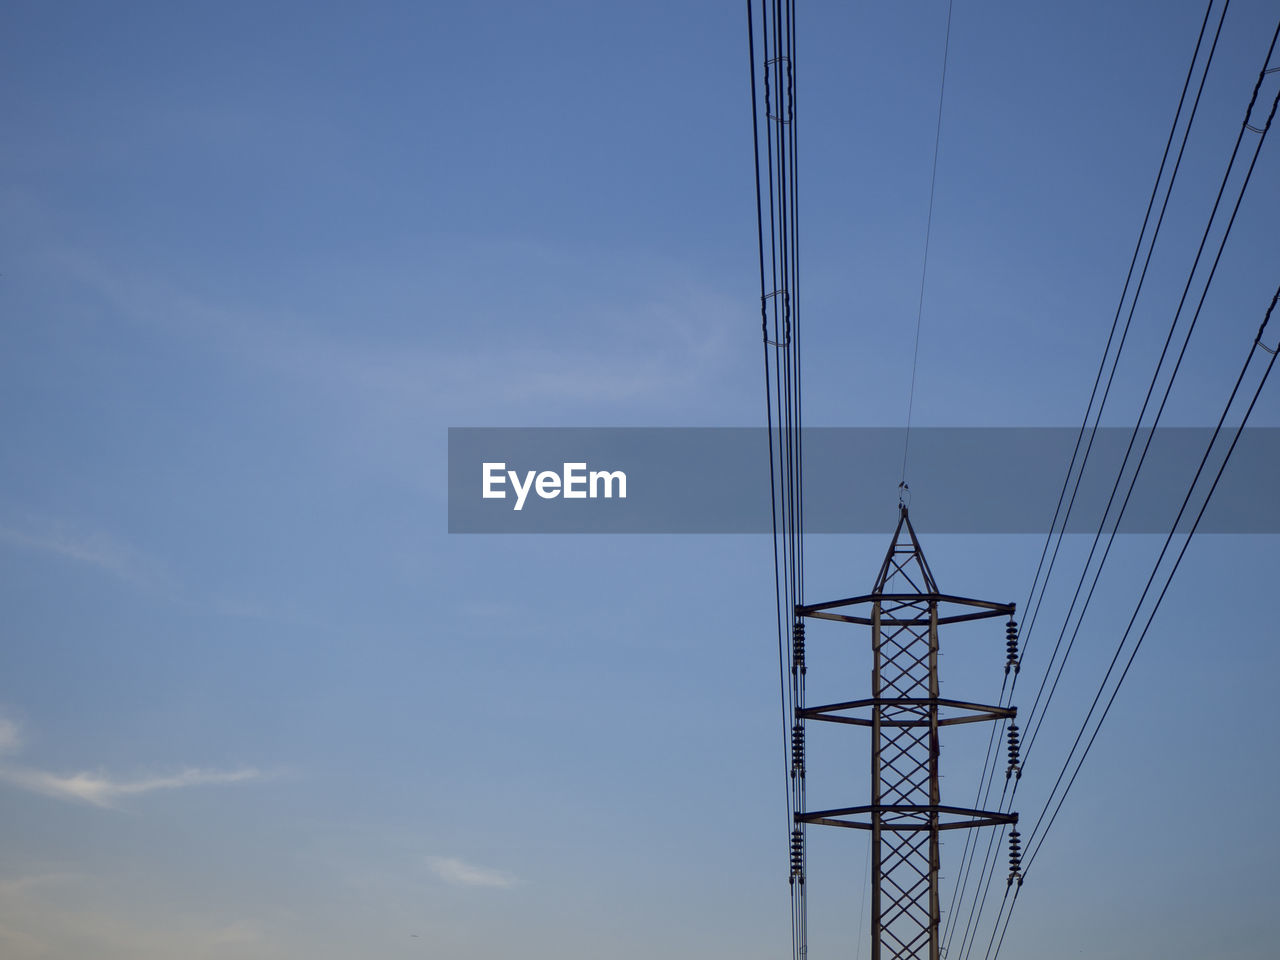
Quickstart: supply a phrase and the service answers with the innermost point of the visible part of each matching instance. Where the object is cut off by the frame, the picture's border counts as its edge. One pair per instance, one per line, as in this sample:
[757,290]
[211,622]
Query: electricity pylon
[906,815]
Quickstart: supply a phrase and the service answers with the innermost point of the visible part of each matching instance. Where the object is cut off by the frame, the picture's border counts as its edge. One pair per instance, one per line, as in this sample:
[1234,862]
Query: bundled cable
[773,101]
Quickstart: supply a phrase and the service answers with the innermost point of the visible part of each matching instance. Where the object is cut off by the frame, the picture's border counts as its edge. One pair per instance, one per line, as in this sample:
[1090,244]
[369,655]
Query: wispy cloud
[660,345]
[115,557]
[10,737]
[463,874]
[102,791]
[99,789]
[94,548]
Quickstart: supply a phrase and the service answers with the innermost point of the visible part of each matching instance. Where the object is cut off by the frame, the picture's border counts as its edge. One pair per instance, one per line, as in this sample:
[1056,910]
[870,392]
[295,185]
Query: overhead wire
[1208,496]
[1186,500]
[1262,136]
[986,779]
[928,233]
[1097,574]
[768,398]
[776,183]
[1034,612]
[1169,386]
[1246,125]
[780,305]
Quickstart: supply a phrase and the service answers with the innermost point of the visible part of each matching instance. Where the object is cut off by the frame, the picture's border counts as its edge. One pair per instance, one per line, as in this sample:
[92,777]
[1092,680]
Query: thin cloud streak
[463,874]
[96,549]
[101,791]
[10,736]
[117,558]
[676,344]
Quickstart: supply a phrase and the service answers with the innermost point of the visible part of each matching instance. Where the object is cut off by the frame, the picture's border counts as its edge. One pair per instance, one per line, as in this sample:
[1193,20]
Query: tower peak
[907,558]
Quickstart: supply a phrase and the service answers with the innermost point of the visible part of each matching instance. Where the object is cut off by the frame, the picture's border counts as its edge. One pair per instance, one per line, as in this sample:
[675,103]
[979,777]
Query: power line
[768,399]
[986,780]
[776,184]
[1262,131]
[1169,386]
[928,231]
[1266,373]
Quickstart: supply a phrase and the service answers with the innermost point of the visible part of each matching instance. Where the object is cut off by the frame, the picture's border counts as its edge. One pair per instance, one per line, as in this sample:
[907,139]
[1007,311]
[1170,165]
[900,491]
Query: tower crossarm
[892,605]
[898,817]
[969,712]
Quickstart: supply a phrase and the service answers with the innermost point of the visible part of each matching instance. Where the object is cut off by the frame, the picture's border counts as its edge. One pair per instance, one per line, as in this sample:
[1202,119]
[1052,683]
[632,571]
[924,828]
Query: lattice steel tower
[906,815]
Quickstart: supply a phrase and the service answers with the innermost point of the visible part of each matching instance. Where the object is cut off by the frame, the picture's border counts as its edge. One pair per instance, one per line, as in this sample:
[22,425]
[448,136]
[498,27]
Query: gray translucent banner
[962,479]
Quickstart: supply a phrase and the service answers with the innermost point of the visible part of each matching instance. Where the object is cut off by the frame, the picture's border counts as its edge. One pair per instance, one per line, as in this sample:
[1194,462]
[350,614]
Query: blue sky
[255,260]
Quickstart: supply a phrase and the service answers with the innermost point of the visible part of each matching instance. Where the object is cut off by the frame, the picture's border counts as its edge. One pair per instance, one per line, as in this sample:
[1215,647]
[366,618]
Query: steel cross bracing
[905,713]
